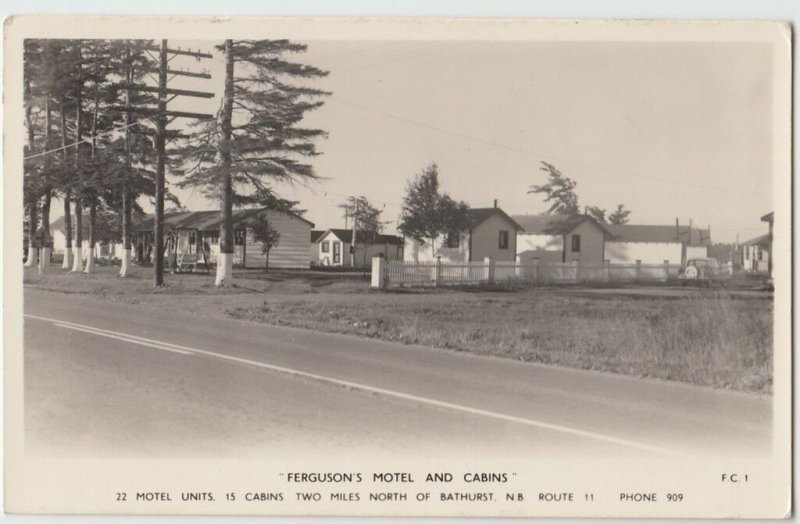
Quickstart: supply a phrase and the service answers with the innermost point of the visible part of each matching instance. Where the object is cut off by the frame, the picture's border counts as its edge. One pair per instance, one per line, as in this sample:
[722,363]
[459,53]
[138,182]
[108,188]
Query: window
[212,237]
[452,239]
[502,241]
[576,243]
[326,246]
[239,236]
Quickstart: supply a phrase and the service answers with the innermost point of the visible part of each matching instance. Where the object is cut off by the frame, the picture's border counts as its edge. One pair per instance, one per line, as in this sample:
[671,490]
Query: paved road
[119,380]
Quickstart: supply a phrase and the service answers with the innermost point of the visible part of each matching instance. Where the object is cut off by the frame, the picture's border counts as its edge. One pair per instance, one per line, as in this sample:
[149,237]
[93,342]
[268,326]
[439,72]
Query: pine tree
[257,138]
[559,191]
[620,215]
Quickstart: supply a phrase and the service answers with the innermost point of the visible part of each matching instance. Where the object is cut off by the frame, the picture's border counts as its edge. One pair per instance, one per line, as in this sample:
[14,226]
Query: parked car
[703,271]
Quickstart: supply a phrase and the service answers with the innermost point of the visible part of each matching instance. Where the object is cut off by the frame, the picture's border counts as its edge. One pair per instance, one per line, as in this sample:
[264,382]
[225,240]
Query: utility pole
[355,231]
[159,115]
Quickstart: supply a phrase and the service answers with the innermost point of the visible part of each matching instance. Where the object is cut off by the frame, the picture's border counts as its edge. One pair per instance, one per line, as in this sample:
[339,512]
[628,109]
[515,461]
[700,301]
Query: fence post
[437,276]
[607,271]
[535,270]
[378,273]
[666,270]
[638,270]
[488,270]
[518,267]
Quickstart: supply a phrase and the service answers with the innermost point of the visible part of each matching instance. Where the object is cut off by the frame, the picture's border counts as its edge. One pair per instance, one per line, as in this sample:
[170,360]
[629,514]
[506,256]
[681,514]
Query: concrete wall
[592,245]
[647,252]
[485,240]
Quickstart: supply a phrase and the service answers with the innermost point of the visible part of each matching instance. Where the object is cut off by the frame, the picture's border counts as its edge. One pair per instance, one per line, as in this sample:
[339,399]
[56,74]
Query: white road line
[124,339]
[363,387]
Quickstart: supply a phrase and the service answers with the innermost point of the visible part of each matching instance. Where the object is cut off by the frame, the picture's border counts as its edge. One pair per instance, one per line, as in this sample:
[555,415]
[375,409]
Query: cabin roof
[364,237]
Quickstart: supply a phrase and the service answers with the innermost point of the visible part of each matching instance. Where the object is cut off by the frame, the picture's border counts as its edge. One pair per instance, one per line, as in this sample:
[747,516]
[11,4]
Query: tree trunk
[77,267]
[33,208]
[44,256]
[67,262]
[125,268]
[92,197]
[92,234]
[33,215]
[226,247]
[161,124]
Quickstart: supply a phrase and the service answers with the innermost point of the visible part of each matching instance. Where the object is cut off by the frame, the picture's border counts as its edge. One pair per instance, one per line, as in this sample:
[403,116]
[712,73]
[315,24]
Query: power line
[517,149]
[87,139]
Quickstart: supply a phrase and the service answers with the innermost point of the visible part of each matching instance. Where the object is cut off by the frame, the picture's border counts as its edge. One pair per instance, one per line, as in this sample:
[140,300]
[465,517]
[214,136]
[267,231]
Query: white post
[378,273]
[488,270]
[518,267]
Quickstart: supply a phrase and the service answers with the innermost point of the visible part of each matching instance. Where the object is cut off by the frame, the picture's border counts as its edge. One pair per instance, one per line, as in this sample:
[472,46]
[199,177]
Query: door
[337,252]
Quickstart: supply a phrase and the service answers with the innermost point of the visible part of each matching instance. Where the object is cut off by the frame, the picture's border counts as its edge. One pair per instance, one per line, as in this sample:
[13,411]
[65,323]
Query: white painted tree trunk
[67,262]
[44,260]
[125,270]
[32,256]
[224,270]
[77,266]
[89,267]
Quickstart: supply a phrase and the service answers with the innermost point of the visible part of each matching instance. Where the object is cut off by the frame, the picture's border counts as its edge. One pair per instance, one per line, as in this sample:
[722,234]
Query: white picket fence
[399,273]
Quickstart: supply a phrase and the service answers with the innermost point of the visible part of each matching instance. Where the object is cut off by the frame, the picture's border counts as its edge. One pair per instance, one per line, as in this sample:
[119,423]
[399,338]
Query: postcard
[397,267]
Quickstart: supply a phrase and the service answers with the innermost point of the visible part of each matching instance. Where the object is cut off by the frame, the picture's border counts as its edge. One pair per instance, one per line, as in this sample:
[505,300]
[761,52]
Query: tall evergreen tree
[256,138]
[620,215]
[559,191]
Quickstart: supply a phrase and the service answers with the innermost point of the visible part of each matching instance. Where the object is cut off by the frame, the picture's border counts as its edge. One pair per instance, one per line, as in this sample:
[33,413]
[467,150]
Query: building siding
[292,249]
[485,240]
[647,252]
[592,245]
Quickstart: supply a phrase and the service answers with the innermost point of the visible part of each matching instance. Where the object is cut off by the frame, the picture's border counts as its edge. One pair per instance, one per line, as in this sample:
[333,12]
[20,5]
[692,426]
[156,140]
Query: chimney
[495,203]
[677,227]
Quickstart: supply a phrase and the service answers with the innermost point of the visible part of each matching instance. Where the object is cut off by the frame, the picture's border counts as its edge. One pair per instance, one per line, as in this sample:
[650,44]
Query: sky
[670,130]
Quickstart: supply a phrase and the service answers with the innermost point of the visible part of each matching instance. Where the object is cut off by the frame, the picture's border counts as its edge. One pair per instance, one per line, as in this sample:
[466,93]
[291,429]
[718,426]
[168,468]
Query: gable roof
[556,224]
[364,237]
[563,224]
[762,241]
[479,215]
[205,220]
[660,234]
[316,234]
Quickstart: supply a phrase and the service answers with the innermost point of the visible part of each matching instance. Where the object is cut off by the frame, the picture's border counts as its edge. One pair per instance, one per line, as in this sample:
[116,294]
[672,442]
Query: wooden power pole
[159,115]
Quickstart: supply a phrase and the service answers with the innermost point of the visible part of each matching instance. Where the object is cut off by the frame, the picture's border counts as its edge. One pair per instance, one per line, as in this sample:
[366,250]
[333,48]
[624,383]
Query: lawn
[714,337]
